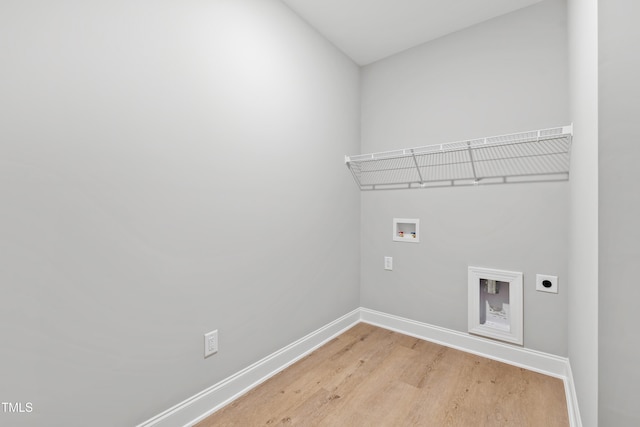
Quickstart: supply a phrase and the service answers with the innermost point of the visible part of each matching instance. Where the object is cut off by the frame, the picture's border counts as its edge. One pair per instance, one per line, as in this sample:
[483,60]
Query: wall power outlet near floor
[210,343]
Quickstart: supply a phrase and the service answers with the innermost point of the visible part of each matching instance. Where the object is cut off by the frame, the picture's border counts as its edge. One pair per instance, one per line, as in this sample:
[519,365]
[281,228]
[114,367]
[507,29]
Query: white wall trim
[543,363]
[572,398]
[537,361]
[203,404]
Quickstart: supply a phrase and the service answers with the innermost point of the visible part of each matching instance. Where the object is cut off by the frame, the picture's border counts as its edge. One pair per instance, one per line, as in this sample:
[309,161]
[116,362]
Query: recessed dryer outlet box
[546,283]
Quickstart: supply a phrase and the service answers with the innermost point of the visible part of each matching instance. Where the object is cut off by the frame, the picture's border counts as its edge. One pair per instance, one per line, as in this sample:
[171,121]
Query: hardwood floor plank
[370,376]
[374,393]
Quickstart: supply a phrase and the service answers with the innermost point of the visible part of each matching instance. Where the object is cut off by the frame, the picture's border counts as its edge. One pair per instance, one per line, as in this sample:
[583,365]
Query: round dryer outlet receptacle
[546,283]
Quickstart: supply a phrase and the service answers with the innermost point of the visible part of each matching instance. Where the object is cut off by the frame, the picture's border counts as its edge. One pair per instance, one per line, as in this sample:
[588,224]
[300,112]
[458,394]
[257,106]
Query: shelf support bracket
[415,162]
[355,176]
[473,166]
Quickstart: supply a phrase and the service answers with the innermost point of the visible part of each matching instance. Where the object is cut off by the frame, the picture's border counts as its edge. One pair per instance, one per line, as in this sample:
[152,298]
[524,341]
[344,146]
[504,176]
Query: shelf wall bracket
[473,166]
[415,162]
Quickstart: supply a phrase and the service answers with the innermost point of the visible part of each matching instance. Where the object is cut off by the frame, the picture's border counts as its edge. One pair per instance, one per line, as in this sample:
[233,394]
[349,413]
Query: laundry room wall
[167,168]
[505,75]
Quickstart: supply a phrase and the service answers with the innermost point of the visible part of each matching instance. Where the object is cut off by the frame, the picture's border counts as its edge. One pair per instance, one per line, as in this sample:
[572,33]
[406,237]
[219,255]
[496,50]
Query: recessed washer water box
[406,230]
[495,306]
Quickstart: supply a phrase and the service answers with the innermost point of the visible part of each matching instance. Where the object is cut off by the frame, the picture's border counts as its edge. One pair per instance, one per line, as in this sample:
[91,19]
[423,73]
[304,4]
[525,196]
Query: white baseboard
[544,363]
[203,404]
[572,399]
[532,360]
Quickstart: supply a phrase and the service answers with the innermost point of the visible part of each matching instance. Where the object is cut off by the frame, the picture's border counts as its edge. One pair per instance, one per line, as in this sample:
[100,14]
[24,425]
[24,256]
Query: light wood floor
[370,376]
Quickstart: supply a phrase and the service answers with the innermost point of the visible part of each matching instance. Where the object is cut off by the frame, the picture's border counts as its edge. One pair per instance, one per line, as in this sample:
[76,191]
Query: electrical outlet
[545,283]
[210,343]
[388,263]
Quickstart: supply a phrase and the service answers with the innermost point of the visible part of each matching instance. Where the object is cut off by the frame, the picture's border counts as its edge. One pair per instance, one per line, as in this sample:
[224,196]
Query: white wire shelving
[534,156]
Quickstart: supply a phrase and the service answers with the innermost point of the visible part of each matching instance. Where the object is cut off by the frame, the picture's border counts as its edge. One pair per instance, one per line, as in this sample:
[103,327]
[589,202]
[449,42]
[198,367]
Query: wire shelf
[534,156]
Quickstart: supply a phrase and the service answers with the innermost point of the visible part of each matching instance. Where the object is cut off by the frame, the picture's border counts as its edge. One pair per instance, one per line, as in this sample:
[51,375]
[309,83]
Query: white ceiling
[369,30]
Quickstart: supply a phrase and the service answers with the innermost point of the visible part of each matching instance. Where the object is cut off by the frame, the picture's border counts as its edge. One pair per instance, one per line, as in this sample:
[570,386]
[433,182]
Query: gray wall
[505,75]
[166,168]
[619,153]
[583,222]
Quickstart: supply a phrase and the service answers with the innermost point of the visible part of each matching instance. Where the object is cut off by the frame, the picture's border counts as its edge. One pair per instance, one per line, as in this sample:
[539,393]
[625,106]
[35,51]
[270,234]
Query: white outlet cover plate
[210,343]
[554,283]
[388,263]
